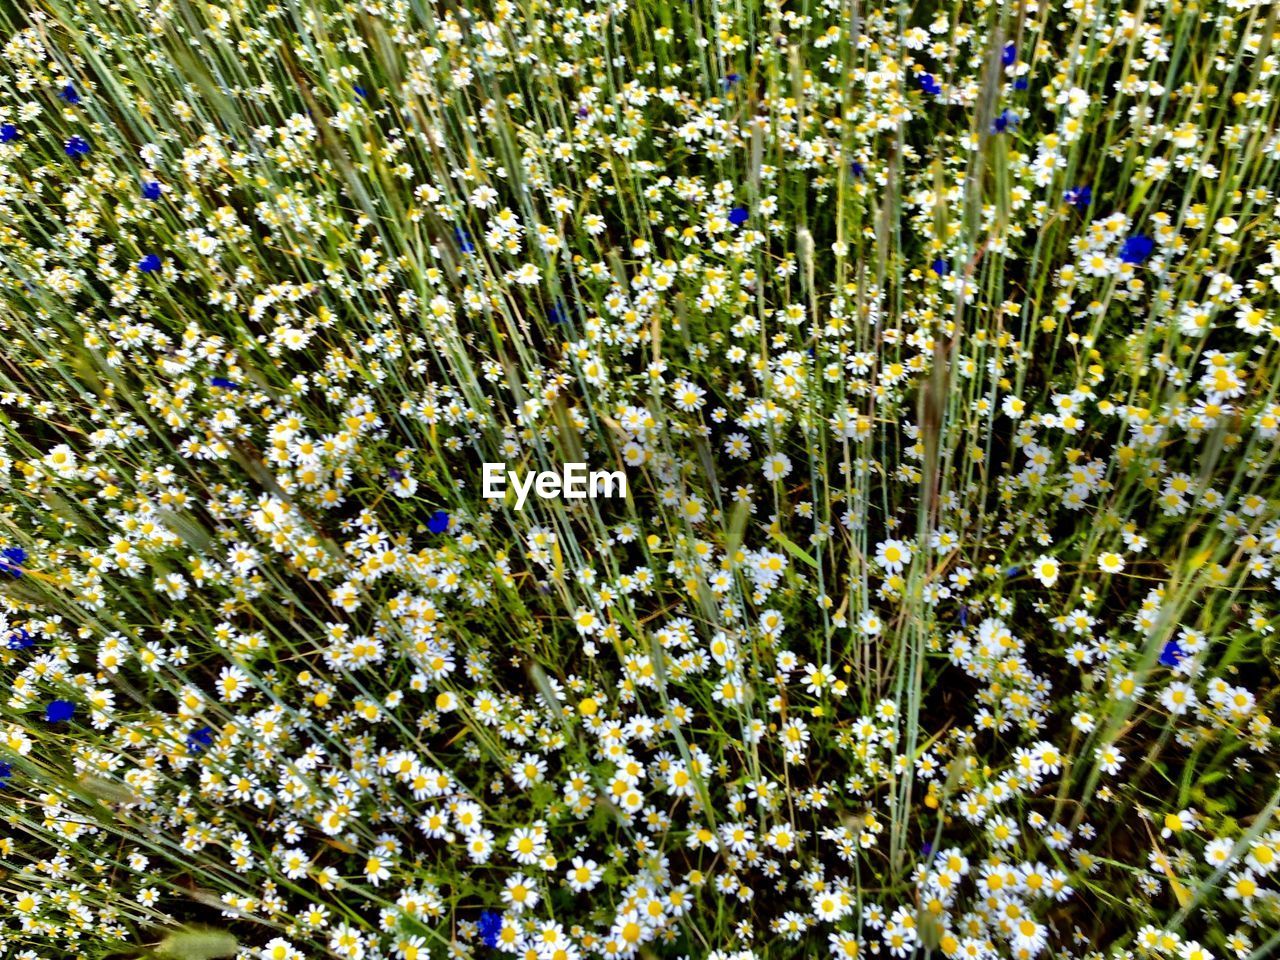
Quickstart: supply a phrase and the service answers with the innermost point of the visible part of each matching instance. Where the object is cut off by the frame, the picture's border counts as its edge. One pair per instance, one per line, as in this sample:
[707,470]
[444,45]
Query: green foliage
[939,344]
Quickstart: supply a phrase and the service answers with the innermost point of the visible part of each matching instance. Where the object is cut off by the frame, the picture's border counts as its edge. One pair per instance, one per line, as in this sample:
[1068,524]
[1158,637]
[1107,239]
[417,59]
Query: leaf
[107,791]
[930,930]
[1199,559]
[543,683]
[542,795]
[1180,892]
[187,528]
[198,943]
[794,548]
[737,527]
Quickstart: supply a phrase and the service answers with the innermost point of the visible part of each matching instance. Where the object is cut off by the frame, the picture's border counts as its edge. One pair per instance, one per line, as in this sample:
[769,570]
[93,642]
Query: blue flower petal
[1137,249]
[490,926]
[12,559]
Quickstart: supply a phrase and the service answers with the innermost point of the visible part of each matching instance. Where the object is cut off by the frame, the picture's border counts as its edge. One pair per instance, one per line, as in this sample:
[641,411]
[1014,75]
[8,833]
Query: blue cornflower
[151,190]
[19,640]
[1137,249]
[1009,55]
[197,740]
[8,133]
[738,216]
[1079,197]
[559,312]
[438,522]
[77,146]
[490,926]
[68,93]
[857,169]
[1007,120]
[223,383]
[729,81]
[929,85]
[464,240]
[1171,654]
[149,264]
[361,92]
[6,773]
[12,559]
[1020,83]
[940,267]
[59,711]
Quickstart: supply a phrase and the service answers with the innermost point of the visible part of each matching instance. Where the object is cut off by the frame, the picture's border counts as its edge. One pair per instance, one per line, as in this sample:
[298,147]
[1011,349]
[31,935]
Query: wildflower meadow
[706,479]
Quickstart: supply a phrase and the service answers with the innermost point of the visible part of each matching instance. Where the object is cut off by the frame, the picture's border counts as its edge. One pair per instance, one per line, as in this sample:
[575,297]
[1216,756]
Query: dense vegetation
[940,347]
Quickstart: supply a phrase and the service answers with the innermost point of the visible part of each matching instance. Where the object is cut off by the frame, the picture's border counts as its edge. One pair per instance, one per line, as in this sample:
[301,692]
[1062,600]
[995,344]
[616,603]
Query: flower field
[938,346]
